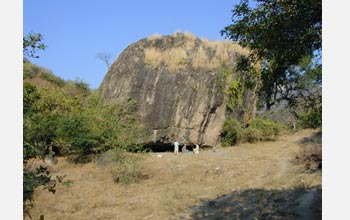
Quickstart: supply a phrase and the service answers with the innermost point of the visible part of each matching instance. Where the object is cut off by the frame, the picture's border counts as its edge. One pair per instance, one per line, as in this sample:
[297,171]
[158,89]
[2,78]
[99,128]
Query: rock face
[175,81]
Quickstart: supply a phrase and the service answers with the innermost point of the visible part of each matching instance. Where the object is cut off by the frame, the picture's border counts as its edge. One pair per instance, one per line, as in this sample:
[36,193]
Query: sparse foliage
[31,44]
[210,55]
[106,58]
[33,179]
[127,169]
[304,94]
[238,87]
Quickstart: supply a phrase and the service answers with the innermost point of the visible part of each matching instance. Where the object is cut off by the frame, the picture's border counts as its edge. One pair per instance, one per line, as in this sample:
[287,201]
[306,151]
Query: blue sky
[75,31]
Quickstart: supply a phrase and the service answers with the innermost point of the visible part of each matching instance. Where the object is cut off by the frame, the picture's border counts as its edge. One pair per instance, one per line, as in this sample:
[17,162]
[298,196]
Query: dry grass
[171,58]
[154,36]
[41,83]
[210,55]
[189,36]
[176,183]
[310,154]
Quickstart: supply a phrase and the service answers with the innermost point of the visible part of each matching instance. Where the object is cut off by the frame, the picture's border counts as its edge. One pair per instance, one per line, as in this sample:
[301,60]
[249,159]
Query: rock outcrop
[175,81]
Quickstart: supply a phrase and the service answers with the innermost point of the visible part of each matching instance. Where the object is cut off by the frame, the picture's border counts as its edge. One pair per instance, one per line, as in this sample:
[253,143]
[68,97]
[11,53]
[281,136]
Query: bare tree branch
[106,58]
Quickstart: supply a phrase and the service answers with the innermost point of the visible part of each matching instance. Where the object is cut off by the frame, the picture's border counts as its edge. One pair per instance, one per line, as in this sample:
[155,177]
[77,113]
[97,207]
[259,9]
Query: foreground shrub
[269,129]
[76,126]
[125,167]
[109,158]
[251,135]
[231,129]
[127,171]
[311,119]
[32,179]
[310,154]
[258,129]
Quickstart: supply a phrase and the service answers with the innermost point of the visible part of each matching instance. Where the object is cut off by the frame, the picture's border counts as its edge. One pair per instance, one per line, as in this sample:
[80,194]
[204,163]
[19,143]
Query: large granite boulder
[175,81]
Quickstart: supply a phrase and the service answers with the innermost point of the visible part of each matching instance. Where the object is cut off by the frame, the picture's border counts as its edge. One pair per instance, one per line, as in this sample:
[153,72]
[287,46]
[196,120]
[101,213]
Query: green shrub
[125,167]
[251,135]
[126,172]
[231,129]
[76,125]
[109,158]
[311,119]
[269,129]
[30,70]
[258,129]
[30,96]
[75,130]
[52,78]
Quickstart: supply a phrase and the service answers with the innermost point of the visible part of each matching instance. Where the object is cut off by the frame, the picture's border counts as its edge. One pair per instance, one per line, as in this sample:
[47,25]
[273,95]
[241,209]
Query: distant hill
[42,77]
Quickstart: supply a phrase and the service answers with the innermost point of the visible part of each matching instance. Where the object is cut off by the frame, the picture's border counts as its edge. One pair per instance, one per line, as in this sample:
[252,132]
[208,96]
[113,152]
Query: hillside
[250,180]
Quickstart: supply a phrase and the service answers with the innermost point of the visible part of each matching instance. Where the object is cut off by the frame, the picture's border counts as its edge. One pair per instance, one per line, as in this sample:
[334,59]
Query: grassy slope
[243,182]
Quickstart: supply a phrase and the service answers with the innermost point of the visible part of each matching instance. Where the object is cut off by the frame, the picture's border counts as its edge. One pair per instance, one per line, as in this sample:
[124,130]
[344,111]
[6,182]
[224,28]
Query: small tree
[31,43]
[106,58]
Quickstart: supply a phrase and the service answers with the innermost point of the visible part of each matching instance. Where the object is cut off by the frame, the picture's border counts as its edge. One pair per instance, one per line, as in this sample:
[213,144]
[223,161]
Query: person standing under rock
[196,150]
[176,146]
[184,149]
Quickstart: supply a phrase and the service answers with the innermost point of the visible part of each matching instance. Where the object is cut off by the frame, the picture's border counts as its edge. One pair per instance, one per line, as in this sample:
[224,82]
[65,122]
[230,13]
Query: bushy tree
[304,93]
[279,33]
[69,119]
[78,125]
[241,88]
[40,177]
[230,132]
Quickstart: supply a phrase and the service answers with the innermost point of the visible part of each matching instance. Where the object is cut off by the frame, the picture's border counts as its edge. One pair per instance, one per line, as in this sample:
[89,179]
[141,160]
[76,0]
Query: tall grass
[209,55]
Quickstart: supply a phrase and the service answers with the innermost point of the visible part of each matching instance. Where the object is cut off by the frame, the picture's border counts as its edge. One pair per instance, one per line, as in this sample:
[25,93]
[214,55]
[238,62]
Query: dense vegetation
[280,34]
[71,120]
[284,63]
[257,129]
[67,118]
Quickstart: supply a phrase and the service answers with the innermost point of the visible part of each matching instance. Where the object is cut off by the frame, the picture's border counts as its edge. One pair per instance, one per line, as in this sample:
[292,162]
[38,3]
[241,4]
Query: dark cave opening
[169,147]
[165,147]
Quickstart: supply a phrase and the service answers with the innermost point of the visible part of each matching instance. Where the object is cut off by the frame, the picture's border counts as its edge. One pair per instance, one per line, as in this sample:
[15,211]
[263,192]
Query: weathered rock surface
[175,81]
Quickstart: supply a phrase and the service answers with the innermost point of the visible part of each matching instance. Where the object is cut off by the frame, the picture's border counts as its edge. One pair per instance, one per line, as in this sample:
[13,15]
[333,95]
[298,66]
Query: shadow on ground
[298,203]
[311,154]
[316,138]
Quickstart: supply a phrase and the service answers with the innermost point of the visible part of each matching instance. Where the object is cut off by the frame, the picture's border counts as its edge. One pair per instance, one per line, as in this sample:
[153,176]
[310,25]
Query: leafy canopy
[279,33]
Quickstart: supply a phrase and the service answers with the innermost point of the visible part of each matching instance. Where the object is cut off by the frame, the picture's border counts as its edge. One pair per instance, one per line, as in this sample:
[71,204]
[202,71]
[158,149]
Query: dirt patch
[188,186]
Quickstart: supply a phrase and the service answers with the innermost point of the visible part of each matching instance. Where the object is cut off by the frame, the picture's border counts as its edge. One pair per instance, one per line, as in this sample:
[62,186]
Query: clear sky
[76,30]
